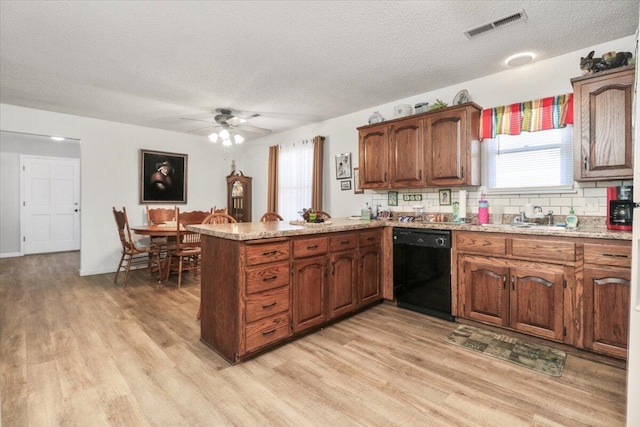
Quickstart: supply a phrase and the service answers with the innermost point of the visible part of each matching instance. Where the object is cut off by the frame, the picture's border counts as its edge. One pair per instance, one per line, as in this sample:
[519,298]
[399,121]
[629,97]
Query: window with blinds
[532,160]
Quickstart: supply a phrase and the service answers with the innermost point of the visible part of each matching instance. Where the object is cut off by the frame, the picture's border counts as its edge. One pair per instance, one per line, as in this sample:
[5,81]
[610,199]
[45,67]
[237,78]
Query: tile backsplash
[587,199]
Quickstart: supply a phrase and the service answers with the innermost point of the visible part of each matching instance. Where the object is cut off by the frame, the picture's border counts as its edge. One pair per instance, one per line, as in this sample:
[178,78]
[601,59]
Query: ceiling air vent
[502,22]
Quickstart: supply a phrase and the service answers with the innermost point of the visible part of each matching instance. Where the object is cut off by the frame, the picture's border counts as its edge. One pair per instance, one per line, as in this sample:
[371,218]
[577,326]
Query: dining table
[158,230]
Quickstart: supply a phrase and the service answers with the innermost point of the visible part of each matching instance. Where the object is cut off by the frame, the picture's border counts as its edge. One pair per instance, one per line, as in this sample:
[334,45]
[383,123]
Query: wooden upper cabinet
[373,150]
[428,149]
[602,134]
[407,160]
[451,143]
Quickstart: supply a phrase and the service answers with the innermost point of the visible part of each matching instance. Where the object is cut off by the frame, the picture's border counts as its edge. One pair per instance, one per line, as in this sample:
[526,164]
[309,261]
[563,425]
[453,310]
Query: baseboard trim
[10,254]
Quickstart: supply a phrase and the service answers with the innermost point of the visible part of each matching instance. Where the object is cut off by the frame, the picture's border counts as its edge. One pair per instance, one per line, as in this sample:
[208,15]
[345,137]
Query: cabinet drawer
[616,255]
[545,250]
[260,254]
[369,238]
[267,303]
[344,241]
[310,247]
[482,243]
[266,331]
[267,277]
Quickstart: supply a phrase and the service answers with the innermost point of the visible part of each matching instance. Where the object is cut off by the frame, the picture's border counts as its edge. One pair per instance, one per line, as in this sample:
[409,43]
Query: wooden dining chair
[323,215]
[271,216]
[160,216]
[221,210]
[186,254]
[219,218]
[133,254]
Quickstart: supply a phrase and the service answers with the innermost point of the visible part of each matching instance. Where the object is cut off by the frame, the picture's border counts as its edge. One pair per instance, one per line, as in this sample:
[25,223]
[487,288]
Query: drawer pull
[312,247]
[370,238]
[269,332]
[344,242]
[269,253]
[269,279]
[265,306]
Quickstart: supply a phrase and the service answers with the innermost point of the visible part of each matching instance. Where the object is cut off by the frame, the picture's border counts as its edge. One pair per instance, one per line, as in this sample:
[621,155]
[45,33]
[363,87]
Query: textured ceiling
[151,63]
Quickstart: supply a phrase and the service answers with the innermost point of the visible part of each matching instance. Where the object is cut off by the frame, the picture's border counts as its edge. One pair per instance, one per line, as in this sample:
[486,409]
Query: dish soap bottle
[572,219]
[483,211]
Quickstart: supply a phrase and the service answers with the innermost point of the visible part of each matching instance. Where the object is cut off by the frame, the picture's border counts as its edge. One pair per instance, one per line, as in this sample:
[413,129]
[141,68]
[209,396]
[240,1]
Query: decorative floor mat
[533,356]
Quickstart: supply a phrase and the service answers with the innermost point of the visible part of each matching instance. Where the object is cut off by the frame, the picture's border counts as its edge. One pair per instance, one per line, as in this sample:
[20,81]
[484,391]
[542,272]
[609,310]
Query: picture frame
[343,166]
[345,185]
[392,198]
[163,177]
[444,197]
[356,182]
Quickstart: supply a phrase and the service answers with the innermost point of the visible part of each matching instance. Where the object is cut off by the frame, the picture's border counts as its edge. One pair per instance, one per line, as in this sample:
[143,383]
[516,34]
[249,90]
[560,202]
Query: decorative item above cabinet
[602,134]
[430,149]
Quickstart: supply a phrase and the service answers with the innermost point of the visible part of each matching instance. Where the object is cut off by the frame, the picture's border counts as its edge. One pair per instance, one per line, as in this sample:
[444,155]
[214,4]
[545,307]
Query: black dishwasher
[422,271]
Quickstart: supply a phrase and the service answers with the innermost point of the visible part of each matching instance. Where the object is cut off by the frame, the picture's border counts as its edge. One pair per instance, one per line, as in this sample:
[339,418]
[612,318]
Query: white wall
[537,80]
[110,172]
[12,145]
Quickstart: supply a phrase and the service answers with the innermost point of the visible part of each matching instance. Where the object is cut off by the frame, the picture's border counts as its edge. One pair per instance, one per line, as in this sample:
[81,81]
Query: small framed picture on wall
[343,166]
[345,185]
[392,198]
[445,197]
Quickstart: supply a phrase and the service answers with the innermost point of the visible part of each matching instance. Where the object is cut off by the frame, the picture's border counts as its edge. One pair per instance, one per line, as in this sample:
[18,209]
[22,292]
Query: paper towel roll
[463,203]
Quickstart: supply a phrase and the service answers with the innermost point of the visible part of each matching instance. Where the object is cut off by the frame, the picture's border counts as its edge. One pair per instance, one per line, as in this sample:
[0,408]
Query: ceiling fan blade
[253,129]
[206,127]
[198,120]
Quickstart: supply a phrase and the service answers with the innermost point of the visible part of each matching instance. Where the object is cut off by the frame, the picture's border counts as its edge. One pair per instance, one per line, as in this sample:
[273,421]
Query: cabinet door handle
[504,282]
[269,279]
[513,283]
[333,268]
[265,306]
[420,175]
[385,177]
[462,172]
[585,162]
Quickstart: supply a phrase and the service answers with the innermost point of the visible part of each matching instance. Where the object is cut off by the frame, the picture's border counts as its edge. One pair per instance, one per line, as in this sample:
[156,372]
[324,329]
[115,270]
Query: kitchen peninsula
[264,284]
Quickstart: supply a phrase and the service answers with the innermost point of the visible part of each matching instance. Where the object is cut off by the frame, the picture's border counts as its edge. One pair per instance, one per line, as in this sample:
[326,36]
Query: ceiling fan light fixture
[213,137]
[224,134]
[238,139]
[226,142]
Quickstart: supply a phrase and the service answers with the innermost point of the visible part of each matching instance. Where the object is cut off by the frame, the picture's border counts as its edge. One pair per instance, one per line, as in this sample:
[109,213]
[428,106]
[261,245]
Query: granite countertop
[270,230]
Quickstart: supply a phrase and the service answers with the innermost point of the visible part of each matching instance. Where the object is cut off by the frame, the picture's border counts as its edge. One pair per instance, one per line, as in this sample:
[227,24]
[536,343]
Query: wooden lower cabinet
[607,297]
[309,289]
[370,275]
[343,283]
[511,294]
[564,289]
[264,292]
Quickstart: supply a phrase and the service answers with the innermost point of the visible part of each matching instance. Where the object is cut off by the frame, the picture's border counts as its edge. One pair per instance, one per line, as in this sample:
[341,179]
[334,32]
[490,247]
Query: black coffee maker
[620,207]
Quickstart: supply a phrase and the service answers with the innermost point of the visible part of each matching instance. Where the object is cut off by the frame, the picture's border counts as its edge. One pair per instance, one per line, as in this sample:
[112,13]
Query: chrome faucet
[550,217]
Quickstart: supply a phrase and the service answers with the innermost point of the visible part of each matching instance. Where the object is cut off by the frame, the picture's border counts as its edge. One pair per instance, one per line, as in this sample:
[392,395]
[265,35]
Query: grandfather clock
[239,196]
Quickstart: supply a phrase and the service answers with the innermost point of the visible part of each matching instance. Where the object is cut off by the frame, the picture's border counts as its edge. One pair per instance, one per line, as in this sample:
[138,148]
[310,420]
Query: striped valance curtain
[540,114]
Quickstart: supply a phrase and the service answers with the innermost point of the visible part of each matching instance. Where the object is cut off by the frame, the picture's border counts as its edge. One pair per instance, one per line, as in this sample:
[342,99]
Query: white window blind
[295,178]
[529,160]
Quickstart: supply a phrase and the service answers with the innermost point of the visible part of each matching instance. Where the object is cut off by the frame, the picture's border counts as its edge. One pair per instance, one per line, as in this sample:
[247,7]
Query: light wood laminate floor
[83,351]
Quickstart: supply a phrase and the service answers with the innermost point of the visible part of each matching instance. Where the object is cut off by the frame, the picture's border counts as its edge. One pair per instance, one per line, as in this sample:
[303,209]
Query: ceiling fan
[229,125]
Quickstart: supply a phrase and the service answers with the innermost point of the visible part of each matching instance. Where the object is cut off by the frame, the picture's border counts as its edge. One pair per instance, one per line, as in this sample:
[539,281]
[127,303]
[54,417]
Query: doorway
[50,204]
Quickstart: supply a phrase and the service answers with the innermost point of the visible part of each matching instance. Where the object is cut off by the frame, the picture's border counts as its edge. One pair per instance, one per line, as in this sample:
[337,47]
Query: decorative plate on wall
[461,97]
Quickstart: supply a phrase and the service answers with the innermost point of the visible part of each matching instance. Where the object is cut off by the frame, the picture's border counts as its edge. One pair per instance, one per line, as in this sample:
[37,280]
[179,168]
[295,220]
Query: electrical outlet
[591,203]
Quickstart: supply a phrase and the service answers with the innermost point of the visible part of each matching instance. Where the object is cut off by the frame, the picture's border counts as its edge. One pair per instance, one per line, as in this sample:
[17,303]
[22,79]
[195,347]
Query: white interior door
[50,204]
